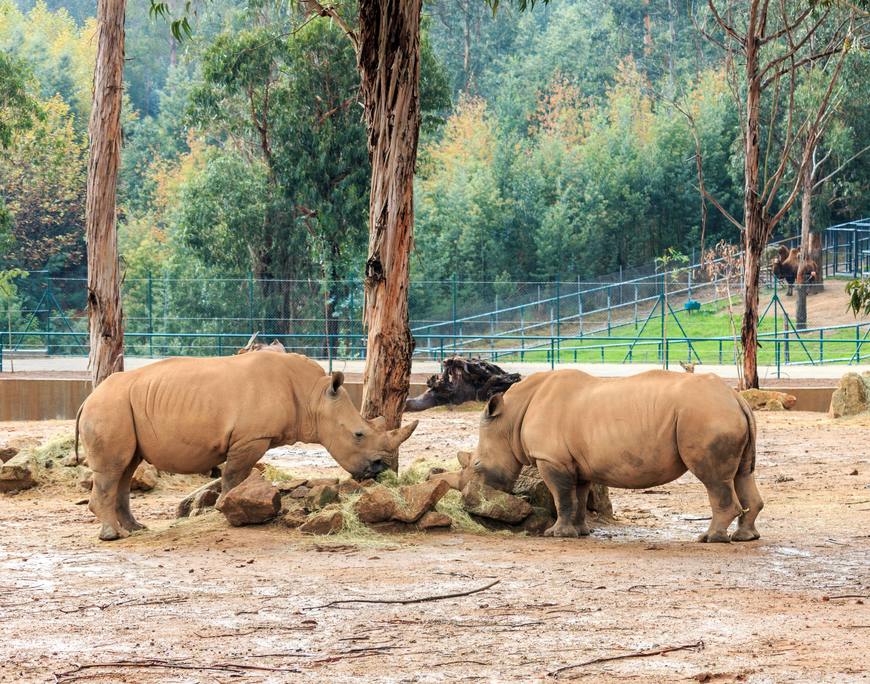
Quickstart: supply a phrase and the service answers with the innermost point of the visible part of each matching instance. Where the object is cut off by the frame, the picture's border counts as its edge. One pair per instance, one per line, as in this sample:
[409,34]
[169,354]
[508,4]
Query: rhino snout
[372,470]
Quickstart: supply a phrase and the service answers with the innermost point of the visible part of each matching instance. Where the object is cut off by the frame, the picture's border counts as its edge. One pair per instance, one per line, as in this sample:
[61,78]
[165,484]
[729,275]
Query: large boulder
[418,499]
[18,473]
[376,504]
[252,502]
[768,400]
[852,395]
[486,502]
[433,520]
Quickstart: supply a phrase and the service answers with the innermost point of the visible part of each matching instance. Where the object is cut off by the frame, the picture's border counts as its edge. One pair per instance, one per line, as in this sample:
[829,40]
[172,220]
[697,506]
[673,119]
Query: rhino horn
[250,343]
[399,435]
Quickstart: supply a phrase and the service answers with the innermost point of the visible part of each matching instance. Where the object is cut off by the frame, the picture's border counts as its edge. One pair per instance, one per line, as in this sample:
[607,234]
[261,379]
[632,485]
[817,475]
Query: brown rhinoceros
[187,415]
[634,432]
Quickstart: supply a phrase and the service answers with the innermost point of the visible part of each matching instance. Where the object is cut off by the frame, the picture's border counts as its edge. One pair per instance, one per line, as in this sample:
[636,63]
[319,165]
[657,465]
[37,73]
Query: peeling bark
[105,315]
[389,66]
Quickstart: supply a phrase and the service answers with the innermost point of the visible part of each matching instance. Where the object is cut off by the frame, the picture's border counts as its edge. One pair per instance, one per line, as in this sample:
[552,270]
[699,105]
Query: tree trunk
[105,316]
[389,65]
[755,225]
[806,220]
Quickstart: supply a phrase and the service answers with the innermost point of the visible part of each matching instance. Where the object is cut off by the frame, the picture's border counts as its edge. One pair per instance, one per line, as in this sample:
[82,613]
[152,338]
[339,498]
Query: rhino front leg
[240,460]
[562,484]
[580,518]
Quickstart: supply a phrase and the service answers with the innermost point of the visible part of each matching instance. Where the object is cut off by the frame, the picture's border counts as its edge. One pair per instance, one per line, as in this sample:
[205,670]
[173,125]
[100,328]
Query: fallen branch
[237,668]
[699,645]
[845,596]
[422,599]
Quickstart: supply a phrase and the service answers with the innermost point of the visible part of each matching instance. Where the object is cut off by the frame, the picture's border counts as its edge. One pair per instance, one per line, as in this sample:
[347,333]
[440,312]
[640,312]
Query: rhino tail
[747,459]
[78,416]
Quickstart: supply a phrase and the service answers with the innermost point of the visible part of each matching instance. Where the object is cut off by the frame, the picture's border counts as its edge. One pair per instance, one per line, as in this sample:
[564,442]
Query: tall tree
[773,45]
[105,316]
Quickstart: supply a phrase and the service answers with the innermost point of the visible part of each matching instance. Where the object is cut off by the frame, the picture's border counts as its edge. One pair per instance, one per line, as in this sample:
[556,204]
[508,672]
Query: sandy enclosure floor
[199,601]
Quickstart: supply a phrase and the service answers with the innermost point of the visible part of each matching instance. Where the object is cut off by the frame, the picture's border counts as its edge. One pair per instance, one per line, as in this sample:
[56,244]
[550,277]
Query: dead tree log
[462,380]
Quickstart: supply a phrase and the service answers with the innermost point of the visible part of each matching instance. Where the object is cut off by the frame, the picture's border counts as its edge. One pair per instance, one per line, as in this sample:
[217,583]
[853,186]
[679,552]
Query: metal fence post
[558,313]
[855,252]
[453,311]
[609,312]
[150,304]
[251,300]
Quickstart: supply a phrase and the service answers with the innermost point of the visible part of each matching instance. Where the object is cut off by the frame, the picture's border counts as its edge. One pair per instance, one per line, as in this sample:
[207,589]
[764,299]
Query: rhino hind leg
[122,504]
[563,486]
[752,503]
[723,501]
[103,504]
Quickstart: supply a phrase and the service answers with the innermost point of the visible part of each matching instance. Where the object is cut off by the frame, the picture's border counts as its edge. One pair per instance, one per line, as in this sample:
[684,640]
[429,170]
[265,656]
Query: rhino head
[493,462]
[362,447]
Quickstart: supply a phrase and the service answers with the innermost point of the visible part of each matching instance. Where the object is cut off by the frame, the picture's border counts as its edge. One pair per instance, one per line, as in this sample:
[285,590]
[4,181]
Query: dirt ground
[198,601]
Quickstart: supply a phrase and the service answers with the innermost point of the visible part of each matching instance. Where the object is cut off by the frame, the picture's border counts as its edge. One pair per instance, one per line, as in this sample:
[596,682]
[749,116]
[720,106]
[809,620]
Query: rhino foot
[110,533]
[717,537]
[563,530]
[745,534]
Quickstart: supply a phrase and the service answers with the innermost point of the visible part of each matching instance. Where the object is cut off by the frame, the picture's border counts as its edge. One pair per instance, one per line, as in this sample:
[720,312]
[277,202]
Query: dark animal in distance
[785,267]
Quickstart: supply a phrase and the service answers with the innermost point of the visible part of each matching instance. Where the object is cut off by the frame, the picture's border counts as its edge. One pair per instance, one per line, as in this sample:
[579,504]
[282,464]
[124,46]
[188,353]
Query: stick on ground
[699,645]
[422,599]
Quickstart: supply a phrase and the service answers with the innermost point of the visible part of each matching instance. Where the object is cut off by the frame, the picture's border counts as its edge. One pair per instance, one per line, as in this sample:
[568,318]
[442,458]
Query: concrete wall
[59,399]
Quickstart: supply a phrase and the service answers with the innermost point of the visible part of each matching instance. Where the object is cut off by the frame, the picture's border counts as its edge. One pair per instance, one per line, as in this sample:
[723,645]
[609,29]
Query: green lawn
[708,331]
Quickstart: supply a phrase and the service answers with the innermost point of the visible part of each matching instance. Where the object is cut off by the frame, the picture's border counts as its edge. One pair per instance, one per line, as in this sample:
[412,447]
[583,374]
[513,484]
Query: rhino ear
[336,381]
[463,457]
[494,406]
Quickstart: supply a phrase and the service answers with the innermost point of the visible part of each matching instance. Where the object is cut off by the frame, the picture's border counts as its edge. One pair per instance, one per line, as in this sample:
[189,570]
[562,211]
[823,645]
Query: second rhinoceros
[187,415]
[633,432]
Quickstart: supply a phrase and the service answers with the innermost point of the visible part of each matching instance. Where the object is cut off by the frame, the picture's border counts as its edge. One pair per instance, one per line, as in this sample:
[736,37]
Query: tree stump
[462,380]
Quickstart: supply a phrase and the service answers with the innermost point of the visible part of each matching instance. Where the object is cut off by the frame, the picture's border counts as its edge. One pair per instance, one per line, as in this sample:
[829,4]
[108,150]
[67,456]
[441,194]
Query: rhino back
[188,412]
[628,432]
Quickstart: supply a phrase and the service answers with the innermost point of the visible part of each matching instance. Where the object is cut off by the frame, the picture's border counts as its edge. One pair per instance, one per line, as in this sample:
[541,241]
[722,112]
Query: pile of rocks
[768,400]
[319,505]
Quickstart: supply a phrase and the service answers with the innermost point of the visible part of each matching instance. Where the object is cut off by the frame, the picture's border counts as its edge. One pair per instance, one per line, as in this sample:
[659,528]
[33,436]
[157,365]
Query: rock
[85,478]
[300,492]
[321,496]
[538,521]
[852,395]
[7,453]
[71,460]
[418,499]
[394,527]
[599,502]
[286,486]
[530,486]
[18,473]
[768,400]
[295,517]
[145,478]
[326,521]
[434,520]
[199,500]
[318,481]
[487,502]
[349,487]
[377,504]
[253,501]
